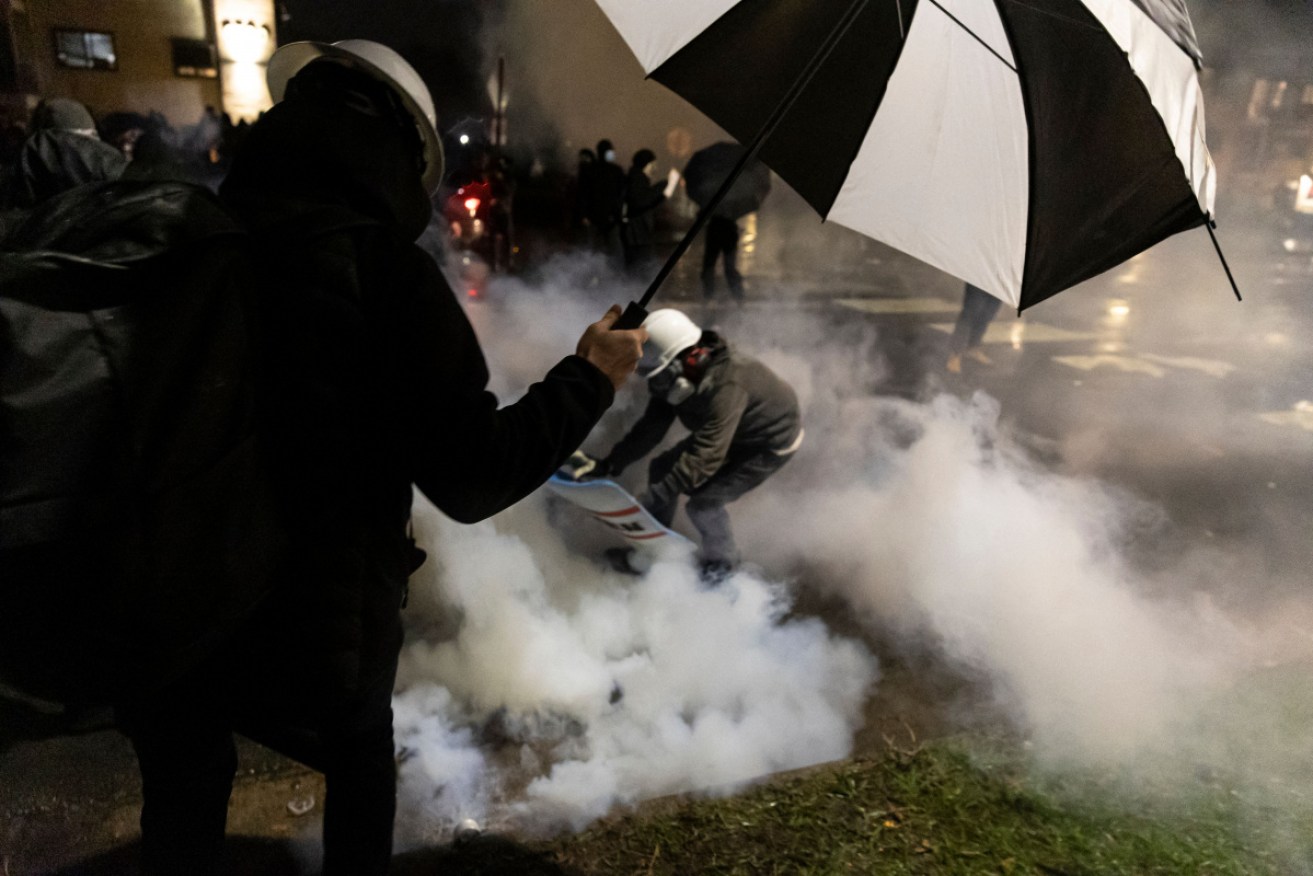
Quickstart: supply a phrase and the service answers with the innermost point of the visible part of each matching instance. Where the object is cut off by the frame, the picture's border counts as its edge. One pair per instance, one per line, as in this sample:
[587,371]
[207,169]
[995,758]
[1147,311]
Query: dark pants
[183,738]
[978,309]
[604,236]
[722,242]
[639,258]
[743,470]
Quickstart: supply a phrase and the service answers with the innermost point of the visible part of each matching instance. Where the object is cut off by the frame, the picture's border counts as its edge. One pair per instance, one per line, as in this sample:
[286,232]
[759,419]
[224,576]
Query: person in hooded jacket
[743,422]
[604,199]
[642,197]
[375,382]
[62,151]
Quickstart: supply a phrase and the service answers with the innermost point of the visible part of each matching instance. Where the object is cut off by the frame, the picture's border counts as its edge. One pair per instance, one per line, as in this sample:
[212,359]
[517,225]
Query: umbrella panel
[1174,19]
[1105,180]
[740,68]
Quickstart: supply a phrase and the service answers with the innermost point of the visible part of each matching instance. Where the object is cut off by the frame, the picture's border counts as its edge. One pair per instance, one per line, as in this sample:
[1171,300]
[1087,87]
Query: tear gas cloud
[604,689]
[538,689]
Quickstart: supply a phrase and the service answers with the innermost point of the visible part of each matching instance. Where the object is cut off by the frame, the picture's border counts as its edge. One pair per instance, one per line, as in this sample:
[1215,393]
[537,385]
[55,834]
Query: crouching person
[743,422]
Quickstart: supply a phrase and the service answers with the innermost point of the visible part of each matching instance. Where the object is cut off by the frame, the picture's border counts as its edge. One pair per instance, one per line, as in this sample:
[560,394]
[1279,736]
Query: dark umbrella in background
[708,169]
[1020,145]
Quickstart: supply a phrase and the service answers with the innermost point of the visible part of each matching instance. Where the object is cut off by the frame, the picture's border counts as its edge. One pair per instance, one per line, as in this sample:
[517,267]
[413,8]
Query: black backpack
[137,526]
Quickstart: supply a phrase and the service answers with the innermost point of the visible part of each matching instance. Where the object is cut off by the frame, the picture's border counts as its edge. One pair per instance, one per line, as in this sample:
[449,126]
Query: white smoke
[1013,572]
[606,688]
[541,689]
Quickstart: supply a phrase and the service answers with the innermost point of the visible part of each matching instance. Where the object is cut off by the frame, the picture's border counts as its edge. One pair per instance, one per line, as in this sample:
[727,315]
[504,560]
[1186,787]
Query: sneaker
[714,572]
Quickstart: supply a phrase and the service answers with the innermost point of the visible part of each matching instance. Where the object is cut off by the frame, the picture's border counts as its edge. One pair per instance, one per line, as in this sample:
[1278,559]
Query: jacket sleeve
[645,196]
[471,458]
[643,436]
[709,444]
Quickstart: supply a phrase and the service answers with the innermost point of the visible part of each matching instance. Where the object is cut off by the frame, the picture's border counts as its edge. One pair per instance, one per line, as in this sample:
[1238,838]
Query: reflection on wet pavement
[898,305]
[1018,333]
[1300,416]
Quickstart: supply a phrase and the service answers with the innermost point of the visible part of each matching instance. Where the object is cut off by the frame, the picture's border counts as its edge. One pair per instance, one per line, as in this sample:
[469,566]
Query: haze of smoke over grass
[925,518]
[603,688]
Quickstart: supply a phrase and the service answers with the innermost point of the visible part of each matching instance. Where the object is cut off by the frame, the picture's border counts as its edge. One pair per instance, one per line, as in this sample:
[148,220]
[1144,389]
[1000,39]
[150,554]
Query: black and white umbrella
[1020,145]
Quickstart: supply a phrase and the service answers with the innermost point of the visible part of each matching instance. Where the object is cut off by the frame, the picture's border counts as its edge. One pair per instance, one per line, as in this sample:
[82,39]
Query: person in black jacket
[604,197]
[642,197]
[62,151]
[375,383]
[743,423]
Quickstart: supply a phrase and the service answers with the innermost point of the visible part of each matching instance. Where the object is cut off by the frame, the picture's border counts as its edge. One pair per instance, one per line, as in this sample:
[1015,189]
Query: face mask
[681,391]
[610,155]
[671,384]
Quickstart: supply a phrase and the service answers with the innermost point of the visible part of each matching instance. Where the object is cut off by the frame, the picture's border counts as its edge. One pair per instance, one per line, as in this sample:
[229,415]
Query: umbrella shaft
[776,116]
[1217,246]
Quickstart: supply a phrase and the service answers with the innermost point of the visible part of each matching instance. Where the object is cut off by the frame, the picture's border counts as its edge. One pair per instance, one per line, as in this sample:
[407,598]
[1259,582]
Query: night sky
[440,38]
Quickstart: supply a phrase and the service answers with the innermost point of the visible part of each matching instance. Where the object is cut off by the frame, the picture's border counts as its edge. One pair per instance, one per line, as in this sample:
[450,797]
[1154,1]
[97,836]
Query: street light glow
[246,41]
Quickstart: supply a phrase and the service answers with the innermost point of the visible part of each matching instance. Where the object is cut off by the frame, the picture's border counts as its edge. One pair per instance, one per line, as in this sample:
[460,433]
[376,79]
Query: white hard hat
[669,332]
[383,64]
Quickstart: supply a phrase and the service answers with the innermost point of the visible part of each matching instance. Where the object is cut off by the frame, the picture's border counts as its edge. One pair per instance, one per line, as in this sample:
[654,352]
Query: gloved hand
[581,466]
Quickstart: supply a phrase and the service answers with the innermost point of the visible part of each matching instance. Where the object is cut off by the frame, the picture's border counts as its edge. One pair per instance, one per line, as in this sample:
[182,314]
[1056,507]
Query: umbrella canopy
[709,167]
[1020,145]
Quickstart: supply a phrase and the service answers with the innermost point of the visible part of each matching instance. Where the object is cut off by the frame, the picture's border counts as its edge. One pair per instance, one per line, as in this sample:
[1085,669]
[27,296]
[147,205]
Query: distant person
[705,176]
[205,136]
[577,196]
[743,421]
[721,244]
[63,151]
[155,156]
[642,198]
[604,201]
[978,309]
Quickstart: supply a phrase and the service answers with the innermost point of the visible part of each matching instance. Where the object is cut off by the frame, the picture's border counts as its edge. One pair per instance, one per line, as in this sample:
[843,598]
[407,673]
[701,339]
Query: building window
[194,58]
[86,50]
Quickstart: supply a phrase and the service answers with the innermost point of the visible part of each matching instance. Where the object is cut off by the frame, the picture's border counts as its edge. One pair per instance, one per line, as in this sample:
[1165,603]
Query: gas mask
[679,380]
[671,384]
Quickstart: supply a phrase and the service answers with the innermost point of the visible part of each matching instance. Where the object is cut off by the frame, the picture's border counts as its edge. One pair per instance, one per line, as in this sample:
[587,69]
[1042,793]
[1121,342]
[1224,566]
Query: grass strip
[931,811]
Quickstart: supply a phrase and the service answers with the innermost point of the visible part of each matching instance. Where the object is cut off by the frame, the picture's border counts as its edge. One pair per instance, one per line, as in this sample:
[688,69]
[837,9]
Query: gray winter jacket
[740,406]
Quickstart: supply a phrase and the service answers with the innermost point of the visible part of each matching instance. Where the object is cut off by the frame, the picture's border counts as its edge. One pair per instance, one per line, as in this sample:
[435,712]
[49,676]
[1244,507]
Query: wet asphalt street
[1152,378]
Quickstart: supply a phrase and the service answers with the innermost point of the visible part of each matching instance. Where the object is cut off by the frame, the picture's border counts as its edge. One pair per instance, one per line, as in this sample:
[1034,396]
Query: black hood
[54,161]
[319,151]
